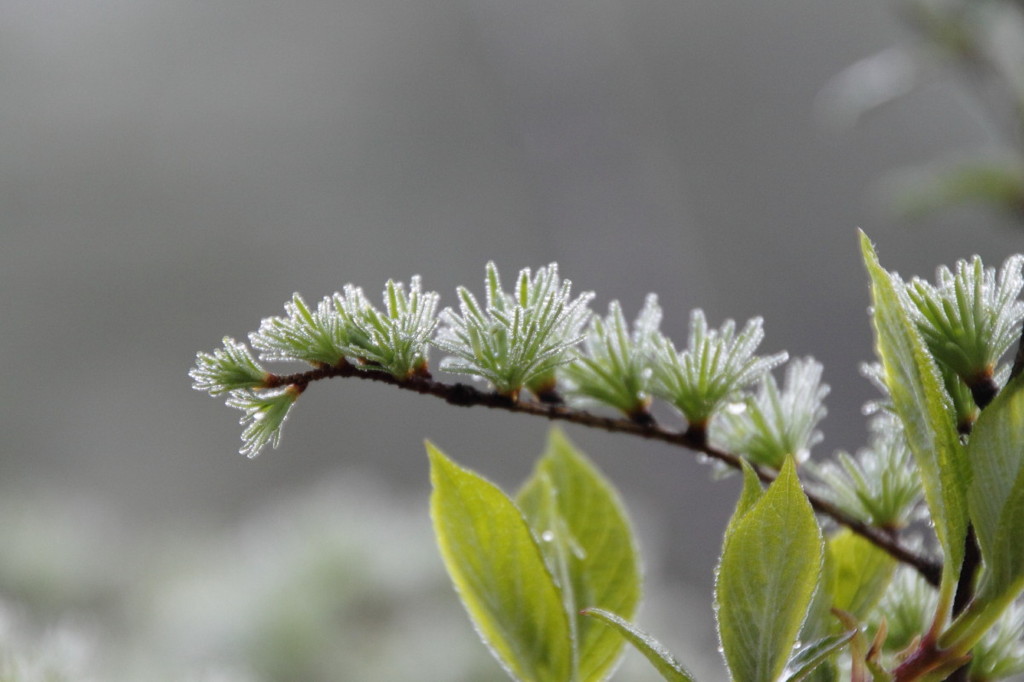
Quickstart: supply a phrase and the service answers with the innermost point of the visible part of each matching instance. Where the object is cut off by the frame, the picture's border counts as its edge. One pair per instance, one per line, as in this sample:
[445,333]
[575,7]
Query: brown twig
[464,395]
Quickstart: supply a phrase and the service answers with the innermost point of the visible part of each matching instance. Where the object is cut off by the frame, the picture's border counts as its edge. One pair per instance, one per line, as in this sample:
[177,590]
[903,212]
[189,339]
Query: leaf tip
[439,461]
[867,249]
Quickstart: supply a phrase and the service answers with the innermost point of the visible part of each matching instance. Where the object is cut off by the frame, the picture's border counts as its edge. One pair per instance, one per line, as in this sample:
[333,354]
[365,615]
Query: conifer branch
[538,342]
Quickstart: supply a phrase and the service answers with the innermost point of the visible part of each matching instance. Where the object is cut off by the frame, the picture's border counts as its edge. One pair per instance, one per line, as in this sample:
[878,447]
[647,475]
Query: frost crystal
[229,369]
[713,367]
[969,318]
[265,413]
[516,340]
[776,424]
[614,367]
[396,341]
[907,607]
[881,485]
[1000,653]
[318,338]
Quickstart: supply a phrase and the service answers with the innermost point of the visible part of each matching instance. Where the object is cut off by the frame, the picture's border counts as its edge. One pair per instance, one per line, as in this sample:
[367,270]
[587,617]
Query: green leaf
[499,572]
[749,494]
[858,573]
[660,657]
[921,403]
[807,659]
[587,539]
[855,577]
[996,494]
[752,490]
[771,561]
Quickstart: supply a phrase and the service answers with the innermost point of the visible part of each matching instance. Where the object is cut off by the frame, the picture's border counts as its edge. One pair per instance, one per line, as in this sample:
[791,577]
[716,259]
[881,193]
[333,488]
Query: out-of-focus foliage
[978,45]
[340,583]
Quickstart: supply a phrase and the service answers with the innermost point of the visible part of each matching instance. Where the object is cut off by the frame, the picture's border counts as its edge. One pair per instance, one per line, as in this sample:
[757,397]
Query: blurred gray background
[172,171]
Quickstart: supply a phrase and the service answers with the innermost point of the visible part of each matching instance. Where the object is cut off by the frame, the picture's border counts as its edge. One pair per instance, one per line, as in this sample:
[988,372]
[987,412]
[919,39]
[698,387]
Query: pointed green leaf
[858,573]
[819,624]
[855,576]
[996,455]
[923,406]
[660,657]
[807,659]
[771,561]
[589,544]
[558,546]
[499,573]
[751,492]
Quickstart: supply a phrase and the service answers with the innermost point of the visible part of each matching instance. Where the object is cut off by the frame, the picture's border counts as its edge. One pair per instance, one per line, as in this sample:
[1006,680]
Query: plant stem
[465,395]
[1018,360]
